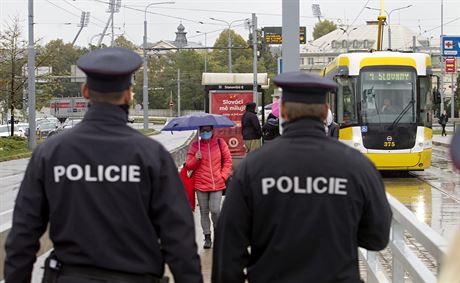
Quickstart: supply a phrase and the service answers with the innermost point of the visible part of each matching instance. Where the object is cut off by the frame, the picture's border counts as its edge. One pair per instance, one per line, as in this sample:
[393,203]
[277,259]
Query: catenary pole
[31,79]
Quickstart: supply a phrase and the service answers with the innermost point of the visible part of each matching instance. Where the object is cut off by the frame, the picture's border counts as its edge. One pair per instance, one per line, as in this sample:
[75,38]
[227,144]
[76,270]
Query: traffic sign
[171,104]
[450,65]
[450,46]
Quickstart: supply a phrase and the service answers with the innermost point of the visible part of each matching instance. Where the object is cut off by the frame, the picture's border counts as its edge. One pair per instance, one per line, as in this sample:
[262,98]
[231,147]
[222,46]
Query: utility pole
[178,92]
[254,57]
[31,78]
[452,100]
[291,49]
[84,20]
[170,106]
[114,7]
[442,59]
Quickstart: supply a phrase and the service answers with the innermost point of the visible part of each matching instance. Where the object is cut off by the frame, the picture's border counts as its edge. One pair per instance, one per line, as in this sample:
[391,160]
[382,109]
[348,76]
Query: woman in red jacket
[211,163]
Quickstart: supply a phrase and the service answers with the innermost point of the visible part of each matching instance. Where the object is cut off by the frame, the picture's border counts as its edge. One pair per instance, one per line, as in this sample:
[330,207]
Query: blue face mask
[206,135]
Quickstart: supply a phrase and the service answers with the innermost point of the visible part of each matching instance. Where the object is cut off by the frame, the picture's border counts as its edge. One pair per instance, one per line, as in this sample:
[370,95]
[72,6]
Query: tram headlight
[420,141]
[356,141]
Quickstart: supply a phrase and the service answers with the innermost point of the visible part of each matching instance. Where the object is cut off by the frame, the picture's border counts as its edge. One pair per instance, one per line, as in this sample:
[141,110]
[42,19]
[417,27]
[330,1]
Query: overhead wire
[432,29]
[69,12]
[76,7]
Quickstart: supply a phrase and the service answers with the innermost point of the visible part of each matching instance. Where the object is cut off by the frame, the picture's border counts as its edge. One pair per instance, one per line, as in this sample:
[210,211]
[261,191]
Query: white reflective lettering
[100,173]
[123,173]
[331,186]
[316,187]
[267,183]
[340,184]
[287,182]
[78,170]
[108,176]
[134,174]
[88,176]
[59,171]
[297,188]
[309,185]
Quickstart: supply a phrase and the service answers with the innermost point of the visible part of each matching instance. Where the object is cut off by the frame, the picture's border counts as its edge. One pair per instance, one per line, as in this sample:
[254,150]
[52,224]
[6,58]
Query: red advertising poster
[231,104]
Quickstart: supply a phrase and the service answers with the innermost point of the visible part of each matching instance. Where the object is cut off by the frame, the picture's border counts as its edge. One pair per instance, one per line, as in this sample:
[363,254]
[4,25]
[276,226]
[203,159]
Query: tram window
[346,106]
[426,98]
[388,95]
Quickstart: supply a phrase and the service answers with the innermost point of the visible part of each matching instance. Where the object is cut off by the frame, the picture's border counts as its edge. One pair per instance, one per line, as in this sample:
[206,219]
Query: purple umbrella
[196,120]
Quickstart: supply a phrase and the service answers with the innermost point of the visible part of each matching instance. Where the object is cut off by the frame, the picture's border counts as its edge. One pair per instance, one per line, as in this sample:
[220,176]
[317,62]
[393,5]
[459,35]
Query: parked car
[67,125]
[19,130]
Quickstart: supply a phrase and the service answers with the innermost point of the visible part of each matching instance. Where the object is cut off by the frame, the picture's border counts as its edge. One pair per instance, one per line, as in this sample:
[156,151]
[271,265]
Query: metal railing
[404,259]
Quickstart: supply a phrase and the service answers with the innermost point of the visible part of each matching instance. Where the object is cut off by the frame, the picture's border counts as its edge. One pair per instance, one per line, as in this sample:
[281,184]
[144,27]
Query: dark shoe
[207,241]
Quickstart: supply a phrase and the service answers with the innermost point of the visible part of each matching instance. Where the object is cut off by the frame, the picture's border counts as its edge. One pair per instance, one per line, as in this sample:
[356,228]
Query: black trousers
[443,130]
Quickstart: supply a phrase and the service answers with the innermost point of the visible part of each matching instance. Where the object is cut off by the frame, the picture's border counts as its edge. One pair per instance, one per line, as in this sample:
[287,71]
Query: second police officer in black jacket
[303,203]
[112,197]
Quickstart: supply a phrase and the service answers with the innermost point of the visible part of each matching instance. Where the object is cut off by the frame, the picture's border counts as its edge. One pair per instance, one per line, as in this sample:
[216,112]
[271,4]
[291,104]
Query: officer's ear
[324,112]
[283,111]
[85,91]
[128,96]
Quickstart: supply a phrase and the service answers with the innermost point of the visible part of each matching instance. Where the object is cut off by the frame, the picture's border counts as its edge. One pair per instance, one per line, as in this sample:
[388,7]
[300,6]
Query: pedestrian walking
[443,119]
[271,129]
[113,199]
[251,129]
[303,217]
[211,163]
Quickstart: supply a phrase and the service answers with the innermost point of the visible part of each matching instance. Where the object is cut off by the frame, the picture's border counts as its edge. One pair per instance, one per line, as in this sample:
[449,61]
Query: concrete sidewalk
[443,141]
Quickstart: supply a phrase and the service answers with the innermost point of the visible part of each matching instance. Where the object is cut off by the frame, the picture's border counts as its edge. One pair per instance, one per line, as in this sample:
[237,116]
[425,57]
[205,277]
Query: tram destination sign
[273,35]
[387,76]
[450,46]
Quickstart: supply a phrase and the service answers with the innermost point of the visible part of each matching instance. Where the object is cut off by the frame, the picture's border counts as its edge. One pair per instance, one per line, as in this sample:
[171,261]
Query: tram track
[439,173]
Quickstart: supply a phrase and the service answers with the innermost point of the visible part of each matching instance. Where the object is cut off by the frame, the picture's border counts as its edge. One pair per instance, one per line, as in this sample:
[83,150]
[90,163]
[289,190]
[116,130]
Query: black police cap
[455,149]
[109,69]
[303,87]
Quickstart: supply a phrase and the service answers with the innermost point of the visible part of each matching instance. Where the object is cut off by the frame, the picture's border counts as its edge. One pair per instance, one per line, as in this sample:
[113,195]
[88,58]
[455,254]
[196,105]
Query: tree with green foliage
[13,54]
[218,58]
[322,28]
[122,41]
[163,80]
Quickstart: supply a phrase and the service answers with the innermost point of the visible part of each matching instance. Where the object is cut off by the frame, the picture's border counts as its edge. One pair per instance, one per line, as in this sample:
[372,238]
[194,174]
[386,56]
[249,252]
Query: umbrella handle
[198,136]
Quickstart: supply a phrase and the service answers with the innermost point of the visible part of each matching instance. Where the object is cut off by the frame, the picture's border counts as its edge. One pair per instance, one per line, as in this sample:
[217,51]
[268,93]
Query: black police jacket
[113,199]
[303,203]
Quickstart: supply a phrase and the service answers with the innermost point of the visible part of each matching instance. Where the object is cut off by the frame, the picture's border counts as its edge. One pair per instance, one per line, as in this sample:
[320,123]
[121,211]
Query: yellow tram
[384,106]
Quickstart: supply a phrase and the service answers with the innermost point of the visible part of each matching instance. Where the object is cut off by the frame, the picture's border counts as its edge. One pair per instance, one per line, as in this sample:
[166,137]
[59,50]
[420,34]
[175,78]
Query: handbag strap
[221,159]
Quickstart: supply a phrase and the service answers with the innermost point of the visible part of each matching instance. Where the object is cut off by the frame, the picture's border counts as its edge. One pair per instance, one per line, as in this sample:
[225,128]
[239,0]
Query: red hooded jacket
[214,167]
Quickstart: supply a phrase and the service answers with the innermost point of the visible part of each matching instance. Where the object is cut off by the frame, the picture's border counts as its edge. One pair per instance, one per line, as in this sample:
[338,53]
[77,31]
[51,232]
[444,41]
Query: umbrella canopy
[194,121]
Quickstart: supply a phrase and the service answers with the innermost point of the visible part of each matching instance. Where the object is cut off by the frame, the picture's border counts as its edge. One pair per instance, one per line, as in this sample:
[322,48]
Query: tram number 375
[389,144]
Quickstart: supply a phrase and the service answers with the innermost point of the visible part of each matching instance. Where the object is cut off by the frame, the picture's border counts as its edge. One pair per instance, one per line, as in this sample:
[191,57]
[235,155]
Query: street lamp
[348,34]
[229,42]
[206,50]
[388,16]
[145,95]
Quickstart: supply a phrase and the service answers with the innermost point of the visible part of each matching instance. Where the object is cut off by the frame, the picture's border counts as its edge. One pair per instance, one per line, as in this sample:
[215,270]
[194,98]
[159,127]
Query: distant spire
[181,37]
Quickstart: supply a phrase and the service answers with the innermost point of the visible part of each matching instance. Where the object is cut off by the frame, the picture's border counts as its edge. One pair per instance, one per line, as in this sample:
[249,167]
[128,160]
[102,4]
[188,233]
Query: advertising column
[231,104]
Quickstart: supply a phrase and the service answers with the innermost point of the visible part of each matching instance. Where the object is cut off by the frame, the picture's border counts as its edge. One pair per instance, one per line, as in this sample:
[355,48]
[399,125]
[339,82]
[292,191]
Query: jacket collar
[106,112]
[304,127]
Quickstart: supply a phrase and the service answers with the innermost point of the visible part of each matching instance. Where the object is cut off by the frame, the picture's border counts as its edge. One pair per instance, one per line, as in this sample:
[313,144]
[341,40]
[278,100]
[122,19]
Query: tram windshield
[388,96]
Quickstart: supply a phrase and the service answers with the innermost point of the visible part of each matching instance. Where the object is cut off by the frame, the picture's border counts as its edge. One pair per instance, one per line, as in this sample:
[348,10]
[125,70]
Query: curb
[441,144]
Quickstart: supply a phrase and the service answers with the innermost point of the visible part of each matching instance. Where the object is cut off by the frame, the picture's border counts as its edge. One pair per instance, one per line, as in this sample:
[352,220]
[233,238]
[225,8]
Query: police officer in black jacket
[113,198]
[303,203]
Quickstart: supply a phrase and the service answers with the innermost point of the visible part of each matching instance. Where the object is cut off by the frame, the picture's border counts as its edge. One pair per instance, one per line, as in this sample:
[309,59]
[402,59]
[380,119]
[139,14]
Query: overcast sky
[59,18]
